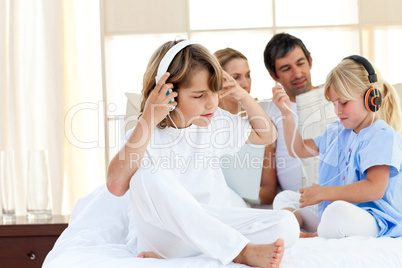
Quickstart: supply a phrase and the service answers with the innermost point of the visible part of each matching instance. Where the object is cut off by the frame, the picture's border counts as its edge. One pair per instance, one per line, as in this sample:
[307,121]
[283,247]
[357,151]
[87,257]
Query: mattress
[96,237]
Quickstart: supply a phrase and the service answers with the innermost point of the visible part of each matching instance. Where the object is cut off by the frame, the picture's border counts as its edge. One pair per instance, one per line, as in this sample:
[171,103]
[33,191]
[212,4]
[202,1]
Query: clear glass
[230,14]
[249,43]
[7,178]
[316,12]
[39,198]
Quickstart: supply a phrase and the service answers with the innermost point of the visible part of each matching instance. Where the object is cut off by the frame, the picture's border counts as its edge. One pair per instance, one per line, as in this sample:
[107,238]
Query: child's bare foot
[149,254]
[307,235]
[262,255]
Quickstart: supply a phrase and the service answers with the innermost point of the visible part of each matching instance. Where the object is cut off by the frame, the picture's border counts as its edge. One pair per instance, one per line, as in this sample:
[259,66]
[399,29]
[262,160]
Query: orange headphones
[372,97]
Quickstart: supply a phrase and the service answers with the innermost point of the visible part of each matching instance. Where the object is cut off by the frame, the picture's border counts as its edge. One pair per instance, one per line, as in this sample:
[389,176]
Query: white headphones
[169,56]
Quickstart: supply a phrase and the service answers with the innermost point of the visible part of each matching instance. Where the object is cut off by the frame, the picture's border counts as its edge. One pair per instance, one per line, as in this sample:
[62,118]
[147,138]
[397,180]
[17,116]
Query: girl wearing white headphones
[180,203]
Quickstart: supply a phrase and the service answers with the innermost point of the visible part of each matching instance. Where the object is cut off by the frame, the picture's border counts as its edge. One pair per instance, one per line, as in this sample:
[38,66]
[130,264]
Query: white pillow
[398,88]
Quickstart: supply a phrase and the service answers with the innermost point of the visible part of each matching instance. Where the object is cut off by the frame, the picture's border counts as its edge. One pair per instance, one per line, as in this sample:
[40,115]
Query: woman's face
[239,70]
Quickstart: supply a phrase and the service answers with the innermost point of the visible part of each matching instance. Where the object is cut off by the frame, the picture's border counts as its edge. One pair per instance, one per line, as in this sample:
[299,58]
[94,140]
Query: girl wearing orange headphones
[360,173]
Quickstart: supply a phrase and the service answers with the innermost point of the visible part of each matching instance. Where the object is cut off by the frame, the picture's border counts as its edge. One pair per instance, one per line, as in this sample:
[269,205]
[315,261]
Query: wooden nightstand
[25,244]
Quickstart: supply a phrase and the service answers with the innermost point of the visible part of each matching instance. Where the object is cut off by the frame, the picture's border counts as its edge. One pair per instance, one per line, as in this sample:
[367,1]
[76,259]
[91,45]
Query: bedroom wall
[137,17]
[132,29]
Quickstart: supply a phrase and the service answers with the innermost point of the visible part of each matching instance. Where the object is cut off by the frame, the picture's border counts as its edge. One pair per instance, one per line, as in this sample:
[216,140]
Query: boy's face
[293,73]
[197,103]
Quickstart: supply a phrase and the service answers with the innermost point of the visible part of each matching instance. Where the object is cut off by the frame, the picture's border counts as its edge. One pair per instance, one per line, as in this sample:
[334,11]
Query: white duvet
[98,226]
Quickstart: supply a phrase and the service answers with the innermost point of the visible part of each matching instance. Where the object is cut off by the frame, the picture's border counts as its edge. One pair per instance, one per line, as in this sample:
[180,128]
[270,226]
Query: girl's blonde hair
[350,76]
[189,60]
[227,54]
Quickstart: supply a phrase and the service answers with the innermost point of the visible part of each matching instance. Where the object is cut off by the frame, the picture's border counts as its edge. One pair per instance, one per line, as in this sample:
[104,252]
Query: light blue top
[346,156]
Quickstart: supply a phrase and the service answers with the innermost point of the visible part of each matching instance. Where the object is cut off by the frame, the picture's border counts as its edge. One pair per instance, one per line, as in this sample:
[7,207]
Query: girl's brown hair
[189,60]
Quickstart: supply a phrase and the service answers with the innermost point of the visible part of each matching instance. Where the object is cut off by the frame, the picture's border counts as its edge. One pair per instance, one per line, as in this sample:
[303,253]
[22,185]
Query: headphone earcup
[372,99]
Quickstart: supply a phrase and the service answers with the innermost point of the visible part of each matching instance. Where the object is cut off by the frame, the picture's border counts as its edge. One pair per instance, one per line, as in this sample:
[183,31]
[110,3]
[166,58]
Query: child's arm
[302,148]
[373,188]
[127,161]
[263,130]
[268,176]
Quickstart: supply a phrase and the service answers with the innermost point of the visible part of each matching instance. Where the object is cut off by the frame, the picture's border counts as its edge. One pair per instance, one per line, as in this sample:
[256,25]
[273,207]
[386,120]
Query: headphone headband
[367,65]
[169,56]
[372,97]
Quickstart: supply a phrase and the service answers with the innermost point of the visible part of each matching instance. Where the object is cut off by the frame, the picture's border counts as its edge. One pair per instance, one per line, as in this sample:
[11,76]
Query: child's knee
[335,220]
[286,199]
[145,180]
[289,227]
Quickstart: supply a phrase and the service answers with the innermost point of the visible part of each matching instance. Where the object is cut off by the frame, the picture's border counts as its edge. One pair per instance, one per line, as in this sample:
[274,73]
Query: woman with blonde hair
[236,65]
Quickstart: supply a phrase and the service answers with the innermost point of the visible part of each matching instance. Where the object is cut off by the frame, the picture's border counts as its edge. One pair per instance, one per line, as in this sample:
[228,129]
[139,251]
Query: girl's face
[240,71]
[352,113]
[197,103]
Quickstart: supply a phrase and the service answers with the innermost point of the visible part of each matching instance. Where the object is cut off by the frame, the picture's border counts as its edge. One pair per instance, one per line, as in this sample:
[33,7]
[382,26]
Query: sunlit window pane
[387,51]
[126,61]
[252,45]
[316,12]
[227,14]
[327,50]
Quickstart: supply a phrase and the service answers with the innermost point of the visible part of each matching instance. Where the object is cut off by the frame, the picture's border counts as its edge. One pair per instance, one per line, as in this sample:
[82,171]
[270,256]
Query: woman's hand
[157,105]
[232,88]
[281,99]
[310,195]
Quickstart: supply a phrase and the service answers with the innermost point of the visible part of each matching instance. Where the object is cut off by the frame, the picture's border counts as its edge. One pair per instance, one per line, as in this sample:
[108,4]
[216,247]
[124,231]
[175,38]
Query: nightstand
[26,243]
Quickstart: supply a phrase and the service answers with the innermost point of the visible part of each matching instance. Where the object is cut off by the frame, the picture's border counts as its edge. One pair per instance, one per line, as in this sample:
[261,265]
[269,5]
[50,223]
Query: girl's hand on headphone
[281,99]
[157,104]
[232,88]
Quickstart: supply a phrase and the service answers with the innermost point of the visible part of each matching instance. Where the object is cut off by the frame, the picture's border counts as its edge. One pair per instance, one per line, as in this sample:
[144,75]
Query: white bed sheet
[98,226]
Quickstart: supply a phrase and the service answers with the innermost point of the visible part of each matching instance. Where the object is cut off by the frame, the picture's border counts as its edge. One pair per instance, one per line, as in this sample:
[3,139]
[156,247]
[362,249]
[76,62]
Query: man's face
[293,73]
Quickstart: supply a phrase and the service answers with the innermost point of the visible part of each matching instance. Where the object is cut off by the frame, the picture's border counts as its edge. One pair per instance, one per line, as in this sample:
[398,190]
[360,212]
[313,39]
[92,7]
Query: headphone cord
[336,176]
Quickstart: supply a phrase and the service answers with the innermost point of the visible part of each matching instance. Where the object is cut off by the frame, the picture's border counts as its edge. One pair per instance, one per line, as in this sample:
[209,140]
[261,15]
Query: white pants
[340,219]
[290,199]
[173,224]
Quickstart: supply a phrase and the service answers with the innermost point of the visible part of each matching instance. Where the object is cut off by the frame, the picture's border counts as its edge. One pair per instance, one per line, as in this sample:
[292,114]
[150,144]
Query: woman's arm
[263,130]
[300,148]
[127,161]
[371,189]
[268,176]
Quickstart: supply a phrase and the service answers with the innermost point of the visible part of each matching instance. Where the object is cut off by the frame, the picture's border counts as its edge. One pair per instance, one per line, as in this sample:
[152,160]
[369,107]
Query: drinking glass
[39,197]
[7,184]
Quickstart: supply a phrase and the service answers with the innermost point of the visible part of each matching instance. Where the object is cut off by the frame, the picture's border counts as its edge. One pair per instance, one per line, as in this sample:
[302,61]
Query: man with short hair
[289,63]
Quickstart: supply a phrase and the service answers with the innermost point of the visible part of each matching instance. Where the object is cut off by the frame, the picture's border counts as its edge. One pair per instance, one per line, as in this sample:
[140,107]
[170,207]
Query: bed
[96,237]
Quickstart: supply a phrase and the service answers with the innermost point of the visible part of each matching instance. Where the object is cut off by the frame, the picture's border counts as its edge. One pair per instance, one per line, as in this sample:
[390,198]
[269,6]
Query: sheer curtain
[50,95]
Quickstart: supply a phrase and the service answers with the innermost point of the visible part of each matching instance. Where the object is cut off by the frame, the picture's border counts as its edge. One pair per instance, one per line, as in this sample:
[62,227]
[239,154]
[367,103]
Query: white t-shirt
[288,169]
[192,155]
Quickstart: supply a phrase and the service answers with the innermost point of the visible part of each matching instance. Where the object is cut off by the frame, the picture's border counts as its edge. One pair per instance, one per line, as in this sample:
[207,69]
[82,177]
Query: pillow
[132,110]
[398,88]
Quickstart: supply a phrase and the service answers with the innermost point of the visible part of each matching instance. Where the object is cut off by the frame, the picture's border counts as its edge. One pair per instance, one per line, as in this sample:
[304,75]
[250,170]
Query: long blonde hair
[191,59]
[350,76]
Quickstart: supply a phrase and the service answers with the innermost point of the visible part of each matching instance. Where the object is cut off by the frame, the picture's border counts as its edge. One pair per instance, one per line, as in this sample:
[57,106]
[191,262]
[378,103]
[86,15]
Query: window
[330,29]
